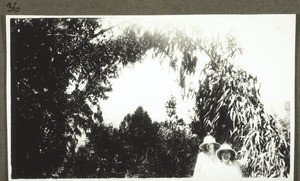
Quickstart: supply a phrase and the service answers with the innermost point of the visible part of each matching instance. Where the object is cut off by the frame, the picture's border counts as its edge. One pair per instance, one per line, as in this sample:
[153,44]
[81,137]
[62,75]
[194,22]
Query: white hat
[209,140]
[227,147]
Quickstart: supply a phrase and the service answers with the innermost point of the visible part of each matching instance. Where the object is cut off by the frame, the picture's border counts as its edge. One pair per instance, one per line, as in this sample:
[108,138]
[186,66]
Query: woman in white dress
[228,167]
[207,161]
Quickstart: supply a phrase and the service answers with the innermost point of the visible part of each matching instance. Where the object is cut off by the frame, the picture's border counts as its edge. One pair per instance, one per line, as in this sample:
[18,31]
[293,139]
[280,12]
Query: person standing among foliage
[207,161]
[228,168]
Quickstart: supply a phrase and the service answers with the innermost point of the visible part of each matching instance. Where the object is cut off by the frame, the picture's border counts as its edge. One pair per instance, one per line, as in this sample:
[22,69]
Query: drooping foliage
[61,70]
[228,106]
[227,102]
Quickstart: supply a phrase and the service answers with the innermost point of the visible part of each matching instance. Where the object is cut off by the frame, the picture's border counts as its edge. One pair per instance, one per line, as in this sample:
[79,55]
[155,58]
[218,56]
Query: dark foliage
[58,71]
[38,99]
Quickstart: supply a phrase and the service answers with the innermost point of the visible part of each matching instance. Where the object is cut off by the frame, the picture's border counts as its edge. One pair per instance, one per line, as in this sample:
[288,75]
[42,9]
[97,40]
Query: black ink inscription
[12,7]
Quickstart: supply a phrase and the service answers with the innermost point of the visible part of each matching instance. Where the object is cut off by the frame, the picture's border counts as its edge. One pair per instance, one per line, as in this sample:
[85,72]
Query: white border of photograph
[8,89]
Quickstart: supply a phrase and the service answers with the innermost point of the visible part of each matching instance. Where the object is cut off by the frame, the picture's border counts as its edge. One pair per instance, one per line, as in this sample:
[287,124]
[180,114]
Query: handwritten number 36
[12,7]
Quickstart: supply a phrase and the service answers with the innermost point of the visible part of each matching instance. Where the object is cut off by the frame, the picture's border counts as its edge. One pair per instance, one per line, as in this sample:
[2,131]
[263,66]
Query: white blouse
[229,171]
[205,168]
[210,168]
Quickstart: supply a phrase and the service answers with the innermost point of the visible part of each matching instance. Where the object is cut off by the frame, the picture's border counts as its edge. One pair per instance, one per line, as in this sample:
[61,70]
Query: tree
[60,68]
[178,148]
[99,158]
[227,102]
[228,106]
[36,119]
[136,132]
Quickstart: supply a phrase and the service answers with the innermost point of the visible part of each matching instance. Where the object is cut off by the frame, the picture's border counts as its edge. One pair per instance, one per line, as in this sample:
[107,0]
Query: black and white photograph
[194,97]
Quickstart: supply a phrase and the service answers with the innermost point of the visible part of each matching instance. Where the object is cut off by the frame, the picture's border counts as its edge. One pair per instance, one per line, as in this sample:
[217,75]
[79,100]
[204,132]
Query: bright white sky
[268,42]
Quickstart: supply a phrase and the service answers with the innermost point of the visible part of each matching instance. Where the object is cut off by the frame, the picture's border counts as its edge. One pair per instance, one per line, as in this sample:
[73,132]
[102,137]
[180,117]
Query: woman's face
[225,155]
[211,148]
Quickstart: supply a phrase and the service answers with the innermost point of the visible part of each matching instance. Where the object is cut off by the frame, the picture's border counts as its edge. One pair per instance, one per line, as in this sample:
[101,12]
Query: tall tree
[227,102]
[60,72]
[60,69]
[37,86]
[228,106]
[138,135]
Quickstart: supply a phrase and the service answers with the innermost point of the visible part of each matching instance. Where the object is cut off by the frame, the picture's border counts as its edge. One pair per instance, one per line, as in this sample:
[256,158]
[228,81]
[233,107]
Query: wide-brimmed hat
[209,140]
[225,147]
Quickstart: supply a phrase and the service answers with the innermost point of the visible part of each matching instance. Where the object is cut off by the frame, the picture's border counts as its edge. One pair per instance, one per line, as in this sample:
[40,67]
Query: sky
[268,43]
